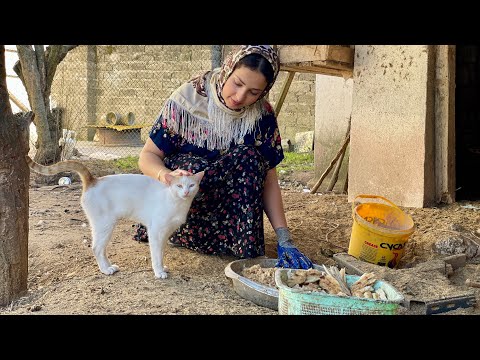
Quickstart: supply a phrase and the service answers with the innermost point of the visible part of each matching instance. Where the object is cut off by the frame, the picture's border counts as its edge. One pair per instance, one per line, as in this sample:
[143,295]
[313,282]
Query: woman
[220,122]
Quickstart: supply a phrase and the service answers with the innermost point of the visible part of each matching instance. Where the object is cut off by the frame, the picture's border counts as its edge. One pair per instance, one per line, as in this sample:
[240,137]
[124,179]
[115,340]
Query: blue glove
[288,254]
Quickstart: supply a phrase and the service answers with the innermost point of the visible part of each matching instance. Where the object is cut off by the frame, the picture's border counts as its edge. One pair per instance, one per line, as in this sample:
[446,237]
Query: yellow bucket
[380,231]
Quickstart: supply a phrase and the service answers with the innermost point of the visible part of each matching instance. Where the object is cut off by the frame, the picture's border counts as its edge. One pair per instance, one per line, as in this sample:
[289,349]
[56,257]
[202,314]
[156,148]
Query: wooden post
[17,102]
[334,178]
[284,92]
[325,173]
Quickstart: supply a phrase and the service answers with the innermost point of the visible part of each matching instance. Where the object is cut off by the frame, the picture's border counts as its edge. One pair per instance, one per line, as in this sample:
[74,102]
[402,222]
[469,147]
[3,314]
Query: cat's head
[184,187]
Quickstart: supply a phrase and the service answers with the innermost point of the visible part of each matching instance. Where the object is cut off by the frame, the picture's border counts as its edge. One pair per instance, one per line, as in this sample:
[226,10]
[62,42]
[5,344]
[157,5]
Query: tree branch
[40,55]
[54,55]
[18,68]
[35,95]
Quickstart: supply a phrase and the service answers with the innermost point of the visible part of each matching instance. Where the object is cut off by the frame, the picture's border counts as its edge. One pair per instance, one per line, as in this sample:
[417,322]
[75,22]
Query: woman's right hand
[151,163]
[177,172]
[180,172]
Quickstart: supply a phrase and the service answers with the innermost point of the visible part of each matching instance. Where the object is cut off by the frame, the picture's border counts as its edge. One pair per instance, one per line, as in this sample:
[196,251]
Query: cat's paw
[161,275]
[112,269]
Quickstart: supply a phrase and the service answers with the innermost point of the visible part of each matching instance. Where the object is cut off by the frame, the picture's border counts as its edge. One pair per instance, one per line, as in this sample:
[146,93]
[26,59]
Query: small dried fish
[339,278]
[296,277]
[382,294]
[365,280]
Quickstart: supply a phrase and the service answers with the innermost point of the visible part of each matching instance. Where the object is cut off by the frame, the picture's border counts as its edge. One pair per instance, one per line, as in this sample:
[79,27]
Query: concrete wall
[333,109]
[96,79]
[298,110]
[139,78]
[391,148]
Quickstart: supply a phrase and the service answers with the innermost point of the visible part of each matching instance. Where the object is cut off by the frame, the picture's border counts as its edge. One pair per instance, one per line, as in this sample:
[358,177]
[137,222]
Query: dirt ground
[64,278]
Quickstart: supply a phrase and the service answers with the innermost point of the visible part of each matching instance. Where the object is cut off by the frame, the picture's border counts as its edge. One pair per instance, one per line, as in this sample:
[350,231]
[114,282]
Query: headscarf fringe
[217,133]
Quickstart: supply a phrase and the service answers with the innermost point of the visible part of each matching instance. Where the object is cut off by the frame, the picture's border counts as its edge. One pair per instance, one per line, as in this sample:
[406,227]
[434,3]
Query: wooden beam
[336,60]
[330,166]
[17,102]
[283,94]
[311,68]
[301,53]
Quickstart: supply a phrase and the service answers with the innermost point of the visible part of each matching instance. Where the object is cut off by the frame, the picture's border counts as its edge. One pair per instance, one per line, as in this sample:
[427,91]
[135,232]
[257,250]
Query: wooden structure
[115,129]
[335,60]
[119,135]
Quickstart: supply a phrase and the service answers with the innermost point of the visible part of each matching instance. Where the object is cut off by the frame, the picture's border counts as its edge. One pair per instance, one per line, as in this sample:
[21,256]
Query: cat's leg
[157,241]
[101,233]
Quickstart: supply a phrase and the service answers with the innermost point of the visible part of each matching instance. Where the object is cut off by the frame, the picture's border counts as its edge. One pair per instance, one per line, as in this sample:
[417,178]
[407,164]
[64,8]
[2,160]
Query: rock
[457,244]
[304,141]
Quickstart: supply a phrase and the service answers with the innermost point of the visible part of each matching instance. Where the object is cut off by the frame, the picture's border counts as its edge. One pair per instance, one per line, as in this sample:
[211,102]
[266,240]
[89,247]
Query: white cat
[162,208]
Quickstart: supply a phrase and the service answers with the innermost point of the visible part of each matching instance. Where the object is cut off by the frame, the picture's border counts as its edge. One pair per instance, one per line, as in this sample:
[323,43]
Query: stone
[304,141]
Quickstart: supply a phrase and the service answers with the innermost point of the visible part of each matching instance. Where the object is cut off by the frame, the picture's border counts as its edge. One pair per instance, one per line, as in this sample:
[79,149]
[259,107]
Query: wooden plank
[17,102]
[302,53]
[283,94]
[317,69]
[336,60]
[117,127]
[332,64]
[445,123]
[341,54]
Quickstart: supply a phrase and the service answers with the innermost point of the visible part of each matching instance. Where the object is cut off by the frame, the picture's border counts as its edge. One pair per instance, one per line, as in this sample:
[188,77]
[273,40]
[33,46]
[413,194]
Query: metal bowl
[257,293]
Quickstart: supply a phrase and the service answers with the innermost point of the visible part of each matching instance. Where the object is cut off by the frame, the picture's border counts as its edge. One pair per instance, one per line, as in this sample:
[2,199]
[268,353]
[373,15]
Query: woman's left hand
[291,257]
[288,254]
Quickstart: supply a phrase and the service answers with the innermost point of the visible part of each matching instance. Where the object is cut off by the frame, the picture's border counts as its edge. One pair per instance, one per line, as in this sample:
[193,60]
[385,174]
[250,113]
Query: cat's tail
[68,165]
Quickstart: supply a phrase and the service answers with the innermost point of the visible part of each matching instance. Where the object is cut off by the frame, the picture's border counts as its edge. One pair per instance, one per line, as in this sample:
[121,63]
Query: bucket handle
[373,197]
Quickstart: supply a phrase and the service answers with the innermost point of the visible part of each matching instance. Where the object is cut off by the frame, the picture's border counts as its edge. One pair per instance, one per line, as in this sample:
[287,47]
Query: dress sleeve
[165,139]
[269,142]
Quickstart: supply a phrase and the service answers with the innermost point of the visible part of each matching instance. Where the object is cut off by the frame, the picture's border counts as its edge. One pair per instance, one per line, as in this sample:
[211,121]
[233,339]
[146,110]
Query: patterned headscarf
[197,111]
[239,53]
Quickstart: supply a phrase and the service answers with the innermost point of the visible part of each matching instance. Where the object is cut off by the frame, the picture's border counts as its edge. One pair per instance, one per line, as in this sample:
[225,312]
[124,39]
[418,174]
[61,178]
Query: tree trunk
[14,180]
[36,69]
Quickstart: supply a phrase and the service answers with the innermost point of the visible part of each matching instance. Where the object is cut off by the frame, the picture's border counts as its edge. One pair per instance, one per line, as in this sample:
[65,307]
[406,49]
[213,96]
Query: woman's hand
[288,254]
[181,172]
[177,172]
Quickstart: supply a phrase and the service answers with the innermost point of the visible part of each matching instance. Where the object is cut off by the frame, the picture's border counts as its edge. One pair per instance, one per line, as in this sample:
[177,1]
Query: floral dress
[226,216]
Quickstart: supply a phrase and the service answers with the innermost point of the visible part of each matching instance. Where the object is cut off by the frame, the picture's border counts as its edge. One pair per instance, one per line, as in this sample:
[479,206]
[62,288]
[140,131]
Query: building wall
[69,90]
[333,109]
[298,110]
[391,147]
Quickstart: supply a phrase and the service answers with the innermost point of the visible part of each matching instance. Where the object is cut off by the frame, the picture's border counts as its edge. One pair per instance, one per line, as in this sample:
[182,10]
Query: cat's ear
[199,175]
[168,178]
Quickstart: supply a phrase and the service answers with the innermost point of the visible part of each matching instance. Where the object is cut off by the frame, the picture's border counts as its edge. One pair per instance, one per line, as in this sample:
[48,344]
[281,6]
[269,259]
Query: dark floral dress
[226,216]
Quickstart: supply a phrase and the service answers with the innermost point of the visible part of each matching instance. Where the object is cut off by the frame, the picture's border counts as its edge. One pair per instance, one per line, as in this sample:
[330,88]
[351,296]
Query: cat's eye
[180,186]
[192,185]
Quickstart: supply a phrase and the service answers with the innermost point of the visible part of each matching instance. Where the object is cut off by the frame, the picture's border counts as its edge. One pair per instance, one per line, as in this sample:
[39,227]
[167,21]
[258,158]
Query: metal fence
[108,96]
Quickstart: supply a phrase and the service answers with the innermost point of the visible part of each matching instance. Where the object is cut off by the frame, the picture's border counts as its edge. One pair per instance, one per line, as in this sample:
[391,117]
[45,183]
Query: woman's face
[243,88]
